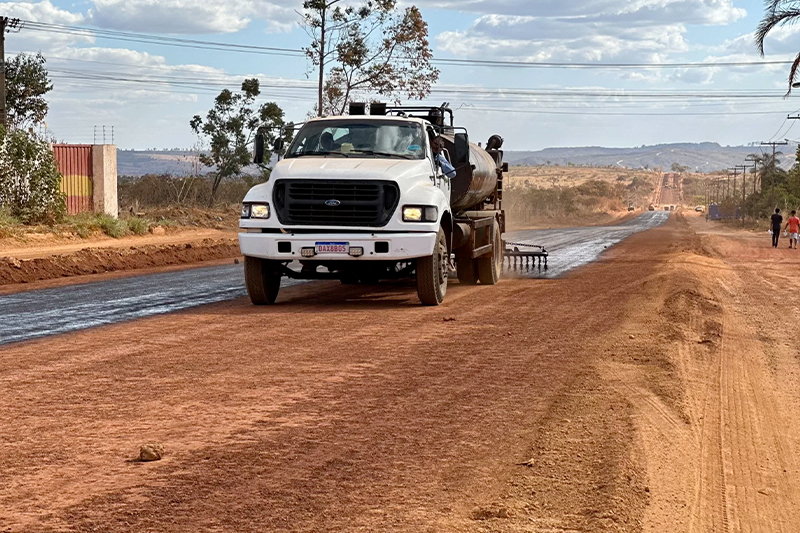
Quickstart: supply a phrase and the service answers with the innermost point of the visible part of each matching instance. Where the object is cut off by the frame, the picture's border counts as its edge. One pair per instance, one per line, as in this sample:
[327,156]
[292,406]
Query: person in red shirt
[793,224]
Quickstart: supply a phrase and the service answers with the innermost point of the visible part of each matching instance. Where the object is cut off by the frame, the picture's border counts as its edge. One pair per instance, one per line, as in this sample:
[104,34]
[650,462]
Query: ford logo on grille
[333,203]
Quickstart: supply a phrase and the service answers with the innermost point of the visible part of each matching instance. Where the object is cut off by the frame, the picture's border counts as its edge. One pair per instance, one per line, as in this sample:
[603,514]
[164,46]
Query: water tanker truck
[388,193]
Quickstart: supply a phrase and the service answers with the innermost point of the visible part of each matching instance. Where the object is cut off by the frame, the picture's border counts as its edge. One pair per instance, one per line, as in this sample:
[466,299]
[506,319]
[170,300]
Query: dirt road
[648,391]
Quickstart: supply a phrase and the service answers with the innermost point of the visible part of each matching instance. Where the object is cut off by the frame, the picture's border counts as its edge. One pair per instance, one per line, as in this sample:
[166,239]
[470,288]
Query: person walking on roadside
[777,220]
[793,225]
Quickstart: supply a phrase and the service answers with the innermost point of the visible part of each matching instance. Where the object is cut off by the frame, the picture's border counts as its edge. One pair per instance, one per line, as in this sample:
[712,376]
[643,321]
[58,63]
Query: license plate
[332,247]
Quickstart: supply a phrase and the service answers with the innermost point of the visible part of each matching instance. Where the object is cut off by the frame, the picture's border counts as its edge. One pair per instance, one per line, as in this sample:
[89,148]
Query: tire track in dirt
[734,469]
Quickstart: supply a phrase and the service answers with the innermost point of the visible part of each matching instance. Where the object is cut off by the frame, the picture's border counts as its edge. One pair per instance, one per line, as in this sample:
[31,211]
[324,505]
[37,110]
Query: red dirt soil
[649,391]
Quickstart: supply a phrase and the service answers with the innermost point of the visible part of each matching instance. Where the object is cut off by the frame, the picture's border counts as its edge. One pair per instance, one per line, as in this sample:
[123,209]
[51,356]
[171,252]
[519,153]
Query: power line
[81,31]
[589,113]
[157,39]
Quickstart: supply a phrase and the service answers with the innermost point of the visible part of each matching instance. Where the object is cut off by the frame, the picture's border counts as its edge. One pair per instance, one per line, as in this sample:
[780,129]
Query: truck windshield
[354,138]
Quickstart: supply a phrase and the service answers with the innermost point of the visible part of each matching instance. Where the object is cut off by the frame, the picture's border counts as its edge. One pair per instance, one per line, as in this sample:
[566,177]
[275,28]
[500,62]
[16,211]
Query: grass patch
[113,227]
[139,225]
[9,224]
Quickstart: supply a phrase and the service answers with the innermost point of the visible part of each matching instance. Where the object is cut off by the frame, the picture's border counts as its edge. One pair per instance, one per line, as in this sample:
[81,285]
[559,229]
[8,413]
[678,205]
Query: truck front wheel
[263,280]
[432,273]
[490,266]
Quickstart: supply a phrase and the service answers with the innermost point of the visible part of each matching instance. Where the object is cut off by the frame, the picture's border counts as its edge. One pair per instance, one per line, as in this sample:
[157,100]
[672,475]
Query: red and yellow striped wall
[75,163]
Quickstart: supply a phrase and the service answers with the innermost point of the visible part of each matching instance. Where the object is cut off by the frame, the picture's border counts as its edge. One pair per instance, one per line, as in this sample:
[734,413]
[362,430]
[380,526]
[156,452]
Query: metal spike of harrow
[531,256]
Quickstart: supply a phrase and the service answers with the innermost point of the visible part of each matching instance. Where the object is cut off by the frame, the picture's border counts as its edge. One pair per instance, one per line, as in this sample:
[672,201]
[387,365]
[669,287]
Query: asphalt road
[40,313]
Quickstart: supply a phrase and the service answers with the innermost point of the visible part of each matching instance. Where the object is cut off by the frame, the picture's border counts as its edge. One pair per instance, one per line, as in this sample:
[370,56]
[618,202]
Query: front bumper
[401,246]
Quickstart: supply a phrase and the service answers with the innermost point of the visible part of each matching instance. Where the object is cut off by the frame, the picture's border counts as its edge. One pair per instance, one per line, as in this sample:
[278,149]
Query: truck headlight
[420,213]
[255,211]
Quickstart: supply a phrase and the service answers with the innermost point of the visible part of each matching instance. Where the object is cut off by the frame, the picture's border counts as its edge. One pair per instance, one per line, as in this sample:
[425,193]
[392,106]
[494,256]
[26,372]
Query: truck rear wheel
[263,280]
[490,266]
[465,268]
[432,273]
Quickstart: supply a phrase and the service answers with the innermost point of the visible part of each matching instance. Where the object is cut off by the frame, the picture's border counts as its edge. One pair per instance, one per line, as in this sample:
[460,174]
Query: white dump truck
[390,193]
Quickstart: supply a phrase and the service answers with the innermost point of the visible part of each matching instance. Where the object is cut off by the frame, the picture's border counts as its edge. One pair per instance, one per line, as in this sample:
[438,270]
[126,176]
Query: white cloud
[46,12]
[191,16]
[172,16]
[575,30]
[653,11]
[40,12]
[538,39]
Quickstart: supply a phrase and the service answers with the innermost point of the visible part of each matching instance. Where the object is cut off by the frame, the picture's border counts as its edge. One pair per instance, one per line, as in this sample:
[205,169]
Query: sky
[148,92]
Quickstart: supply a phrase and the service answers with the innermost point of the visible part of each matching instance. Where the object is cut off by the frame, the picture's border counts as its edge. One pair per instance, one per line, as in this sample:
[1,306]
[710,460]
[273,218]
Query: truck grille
[360,203]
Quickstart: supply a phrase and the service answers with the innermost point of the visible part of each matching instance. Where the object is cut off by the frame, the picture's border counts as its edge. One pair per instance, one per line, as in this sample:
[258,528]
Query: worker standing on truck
[793,225]
[777,220]
[438,155]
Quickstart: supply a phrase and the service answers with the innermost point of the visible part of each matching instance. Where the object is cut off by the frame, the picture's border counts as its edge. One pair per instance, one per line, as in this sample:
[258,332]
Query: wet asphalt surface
[39,313]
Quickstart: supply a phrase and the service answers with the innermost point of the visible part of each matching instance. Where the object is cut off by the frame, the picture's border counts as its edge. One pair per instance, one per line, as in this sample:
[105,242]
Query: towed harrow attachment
[528,255]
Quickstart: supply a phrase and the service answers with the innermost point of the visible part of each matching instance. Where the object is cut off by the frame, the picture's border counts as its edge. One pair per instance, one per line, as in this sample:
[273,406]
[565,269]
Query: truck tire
[432,273]
[465,268]
[262,279]
[490,266]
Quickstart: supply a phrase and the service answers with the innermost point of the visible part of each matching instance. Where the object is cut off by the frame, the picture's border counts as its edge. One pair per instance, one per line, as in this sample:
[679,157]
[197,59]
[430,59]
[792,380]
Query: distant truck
[367,197]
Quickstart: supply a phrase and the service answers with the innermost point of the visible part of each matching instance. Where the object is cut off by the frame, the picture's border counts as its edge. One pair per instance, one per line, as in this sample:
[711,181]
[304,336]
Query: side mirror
[462,149]
[277,146]
[258,157]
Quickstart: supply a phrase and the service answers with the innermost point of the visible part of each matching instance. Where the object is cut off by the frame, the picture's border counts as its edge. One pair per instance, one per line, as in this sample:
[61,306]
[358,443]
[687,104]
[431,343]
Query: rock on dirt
[99,260]
[151,452]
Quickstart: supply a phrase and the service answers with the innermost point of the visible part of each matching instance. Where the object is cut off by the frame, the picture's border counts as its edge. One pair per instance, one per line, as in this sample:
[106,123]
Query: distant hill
[705,157]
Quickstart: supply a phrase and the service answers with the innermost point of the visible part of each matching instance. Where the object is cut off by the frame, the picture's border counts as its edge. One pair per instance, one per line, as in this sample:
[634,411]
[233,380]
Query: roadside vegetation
[541,199]
[774,187]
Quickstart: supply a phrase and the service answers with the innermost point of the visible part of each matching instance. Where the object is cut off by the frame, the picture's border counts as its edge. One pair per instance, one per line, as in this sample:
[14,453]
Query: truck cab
[359,198]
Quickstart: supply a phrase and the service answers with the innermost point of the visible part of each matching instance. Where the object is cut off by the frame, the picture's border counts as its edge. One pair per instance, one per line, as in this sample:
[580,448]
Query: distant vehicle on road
[699,208]
[631,207]
[666,208]
[651,207]
[672,208]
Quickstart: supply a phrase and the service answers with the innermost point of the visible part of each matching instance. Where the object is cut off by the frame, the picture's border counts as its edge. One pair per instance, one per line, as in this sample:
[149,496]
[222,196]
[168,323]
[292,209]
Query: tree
[779,13]
[230,127]
[26,84]
[30,183]
[375,49]
[677,167]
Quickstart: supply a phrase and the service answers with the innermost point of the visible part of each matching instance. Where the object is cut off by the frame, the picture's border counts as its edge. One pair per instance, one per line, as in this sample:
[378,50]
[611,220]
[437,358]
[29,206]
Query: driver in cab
[437,146]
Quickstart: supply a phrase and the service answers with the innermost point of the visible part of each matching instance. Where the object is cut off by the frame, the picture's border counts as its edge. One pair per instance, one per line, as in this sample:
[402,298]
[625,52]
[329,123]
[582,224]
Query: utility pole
[772,176]
[6,25]
[744,189]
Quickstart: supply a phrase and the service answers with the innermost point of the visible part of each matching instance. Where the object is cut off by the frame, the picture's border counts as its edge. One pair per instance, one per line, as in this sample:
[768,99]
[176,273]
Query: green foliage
[26,84]
[139,225]
[8,223]
[30,183]
[779,13]
[230,127]
[113,227]
[677,167]
[375,48]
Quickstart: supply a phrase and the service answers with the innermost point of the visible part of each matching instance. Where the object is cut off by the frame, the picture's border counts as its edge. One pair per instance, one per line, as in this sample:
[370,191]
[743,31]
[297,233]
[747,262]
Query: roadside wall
[90,177]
